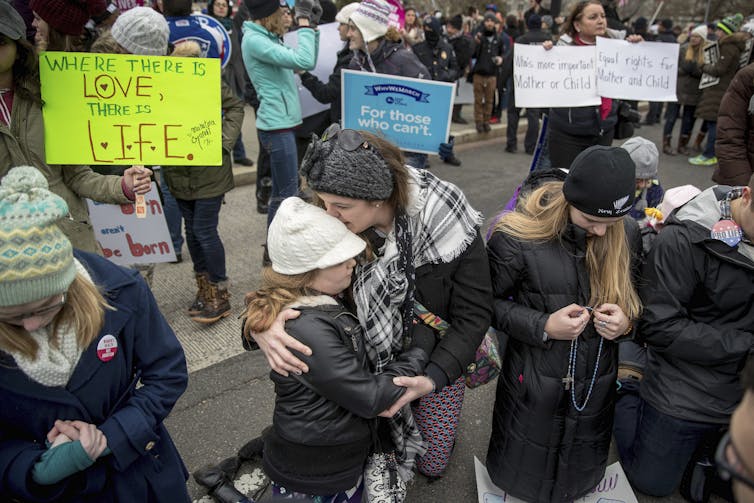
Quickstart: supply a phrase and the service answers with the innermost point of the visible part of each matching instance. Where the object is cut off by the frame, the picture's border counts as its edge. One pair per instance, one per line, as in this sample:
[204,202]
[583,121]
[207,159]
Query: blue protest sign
[412,113]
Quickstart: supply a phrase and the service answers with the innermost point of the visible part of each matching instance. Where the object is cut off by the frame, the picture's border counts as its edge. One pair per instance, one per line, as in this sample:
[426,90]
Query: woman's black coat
[541,448]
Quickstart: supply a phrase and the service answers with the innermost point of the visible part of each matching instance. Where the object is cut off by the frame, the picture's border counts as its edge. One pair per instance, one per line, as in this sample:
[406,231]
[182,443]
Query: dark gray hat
[11,23]
[361,173]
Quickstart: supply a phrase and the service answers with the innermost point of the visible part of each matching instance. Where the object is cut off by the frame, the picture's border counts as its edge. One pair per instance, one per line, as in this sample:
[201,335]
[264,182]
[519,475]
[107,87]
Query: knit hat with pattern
[345,13]
[142,31]
[372,18]
[36,258]
[361,173]
[730,24]
[303,238]
[68,16]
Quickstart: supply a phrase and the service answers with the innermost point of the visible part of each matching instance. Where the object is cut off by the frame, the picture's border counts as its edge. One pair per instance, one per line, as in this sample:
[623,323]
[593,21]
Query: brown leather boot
[698,141]
[202,280]
[217,303]
[666,148]
[683,142]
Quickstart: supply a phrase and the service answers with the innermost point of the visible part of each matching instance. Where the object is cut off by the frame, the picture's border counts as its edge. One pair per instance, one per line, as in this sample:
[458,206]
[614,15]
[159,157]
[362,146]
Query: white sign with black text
[564,76]
[637,71]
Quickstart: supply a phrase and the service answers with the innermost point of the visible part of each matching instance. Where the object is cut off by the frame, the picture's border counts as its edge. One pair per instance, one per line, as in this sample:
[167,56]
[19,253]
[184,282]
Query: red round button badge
[728,232]
[107,347]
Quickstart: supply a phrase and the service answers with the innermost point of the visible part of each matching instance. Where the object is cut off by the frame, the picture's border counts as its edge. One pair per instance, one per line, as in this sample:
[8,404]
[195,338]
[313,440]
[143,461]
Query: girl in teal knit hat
[73,426]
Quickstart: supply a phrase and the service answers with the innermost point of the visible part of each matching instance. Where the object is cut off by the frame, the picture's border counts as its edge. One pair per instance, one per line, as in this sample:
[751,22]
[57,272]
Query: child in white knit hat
[322,424]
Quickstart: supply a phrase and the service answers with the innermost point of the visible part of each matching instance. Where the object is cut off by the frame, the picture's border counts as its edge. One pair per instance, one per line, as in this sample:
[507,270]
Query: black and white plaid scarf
[439,224]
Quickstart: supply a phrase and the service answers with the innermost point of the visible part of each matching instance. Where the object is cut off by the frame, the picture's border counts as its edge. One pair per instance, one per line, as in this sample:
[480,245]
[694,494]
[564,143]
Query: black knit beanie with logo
[601,182]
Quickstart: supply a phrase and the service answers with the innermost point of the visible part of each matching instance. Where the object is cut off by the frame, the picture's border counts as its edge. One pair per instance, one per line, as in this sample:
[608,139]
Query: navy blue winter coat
[144,464]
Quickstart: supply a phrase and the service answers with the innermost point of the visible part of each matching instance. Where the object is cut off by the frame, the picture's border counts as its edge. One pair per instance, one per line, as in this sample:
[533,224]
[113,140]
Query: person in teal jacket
[270,65]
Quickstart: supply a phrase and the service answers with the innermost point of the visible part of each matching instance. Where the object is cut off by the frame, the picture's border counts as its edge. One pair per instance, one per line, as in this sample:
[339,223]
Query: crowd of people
[623,311]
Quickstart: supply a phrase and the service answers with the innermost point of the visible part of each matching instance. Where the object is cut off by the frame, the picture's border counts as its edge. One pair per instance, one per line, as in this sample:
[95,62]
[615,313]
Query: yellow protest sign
[129,109]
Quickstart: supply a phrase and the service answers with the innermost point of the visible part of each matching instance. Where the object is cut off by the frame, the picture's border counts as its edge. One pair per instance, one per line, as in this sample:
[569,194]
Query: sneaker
[244,161]
[480,127]
[700,160]
[494,120]
[487,128]
[511,149]
[459,120]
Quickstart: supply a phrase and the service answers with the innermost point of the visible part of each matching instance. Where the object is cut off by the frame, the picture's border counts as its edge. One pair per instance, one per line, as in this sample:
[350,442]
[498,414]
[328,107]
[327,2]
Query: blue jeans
[283,166]
[654,448]
[204,244]
[709,150]
[687,118]
[415,159]
[172,214]
[239,150]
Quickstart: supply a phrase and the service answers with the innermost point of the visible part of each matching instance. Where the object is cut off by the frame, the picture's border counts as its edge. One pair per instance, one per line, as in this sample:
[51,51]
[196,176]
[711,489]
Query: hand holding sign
[137,179]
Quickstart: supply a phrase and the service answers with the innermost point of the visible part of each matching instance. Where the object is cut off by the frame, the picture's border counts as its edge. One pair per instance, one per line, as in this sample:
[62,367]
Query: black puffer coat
[321,436]
[542,449]
[698,319]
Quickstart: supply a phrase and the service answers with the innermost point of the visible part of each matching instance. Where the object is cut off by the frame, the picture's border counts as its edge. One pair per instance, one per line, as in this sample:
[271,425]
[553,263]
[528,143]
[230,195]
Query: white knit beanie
[345,13]
[303,238]
[700,30]
[372,18]
[142,31]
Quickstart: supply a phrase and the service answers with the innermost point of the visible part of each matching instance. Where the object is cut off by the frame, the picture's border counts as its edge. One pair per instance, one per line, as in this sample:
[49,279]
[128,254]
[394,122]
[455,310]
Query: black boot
[264,189]
[252,449]
[452,160]
[219,485]
[457,119]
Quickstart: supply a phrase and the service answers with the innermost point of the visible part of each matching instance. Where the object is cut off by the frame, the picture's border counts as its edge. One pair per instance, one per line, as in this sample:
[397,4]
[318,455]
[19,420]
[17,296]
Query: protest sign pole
[657,13]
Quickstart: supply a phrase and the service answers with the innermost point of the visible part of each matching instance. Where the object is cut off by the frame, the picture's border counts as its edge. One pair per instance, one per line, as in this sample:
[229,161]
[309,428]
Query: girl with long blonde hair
[562,280]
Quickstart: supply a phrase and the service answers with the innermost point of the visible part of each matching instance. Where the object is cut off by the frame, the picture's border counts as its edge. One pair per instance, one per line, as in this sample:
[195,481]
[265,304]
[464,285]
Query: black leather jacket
[321,433]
